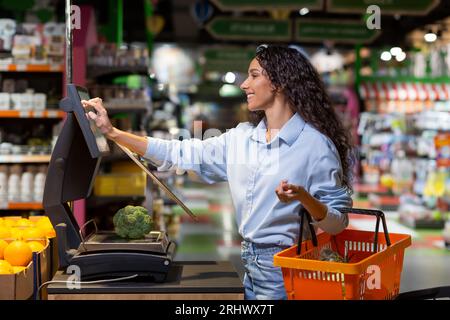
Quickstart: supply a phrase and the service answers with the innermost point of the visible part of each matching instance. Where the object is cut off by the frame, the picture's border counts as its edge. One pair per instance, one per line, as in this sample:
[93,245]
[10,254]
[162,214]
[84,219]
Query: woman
[293,152]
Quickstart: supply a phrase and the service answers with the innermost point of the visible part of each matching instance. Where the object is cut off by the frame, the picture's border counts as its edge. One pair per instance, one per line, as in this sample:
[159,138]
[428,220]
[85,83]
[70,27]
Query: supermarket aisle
[215,237]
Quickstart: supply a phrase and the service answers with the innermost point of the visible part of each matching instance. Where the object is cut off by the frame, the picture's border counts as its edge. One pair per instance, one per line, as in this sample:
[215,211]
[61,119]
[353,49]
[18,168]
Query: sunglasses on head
[261,47]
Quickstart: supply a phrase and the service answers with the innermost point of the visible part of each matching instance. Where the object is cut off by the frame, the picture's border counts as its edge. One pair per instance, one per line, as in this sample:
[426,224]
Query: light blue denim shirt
[253,168]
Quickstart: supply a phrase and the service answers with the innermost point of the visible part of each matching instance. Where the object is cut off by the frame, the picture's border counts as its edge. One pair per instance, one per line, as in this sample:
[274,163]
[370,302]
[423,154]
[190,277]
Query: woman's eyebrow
[253,70]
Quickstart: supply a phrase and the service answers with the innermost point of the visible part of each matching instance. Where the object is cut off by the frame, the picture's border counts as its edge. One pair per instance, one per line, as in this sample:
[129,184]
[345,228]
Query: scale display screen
[100,139]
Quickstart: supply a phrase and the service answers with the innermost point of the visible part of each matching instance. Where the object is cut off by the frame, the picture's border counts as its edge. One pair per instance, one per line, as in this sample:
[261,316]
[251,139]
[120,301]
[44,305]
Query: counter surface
[190,279]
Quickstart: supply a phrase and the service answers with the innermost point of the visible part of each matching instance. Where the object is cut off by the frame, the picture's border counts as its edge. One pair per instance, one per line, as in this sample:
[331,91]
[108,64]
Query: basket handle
[378,213]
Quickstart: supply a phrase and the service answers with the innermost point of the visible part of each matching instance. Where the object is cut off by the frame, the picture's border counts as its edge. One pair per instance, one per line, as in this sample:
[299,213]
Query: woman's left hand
[287,192]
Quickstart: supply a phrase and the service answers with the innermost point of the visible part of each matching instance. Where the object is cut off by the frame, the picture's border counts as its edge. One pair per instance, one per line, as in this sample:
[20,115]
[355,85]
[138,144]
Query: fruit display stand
[23,271]
[17,286]
[23,284]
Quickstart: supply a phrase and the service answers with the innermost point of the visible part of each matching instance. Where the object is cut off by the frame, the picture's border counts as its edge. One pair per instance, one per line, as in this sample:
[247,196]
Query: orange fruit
[18,253]
[5,232]
[3,245]
[34,234]
[36,246]
[5,267]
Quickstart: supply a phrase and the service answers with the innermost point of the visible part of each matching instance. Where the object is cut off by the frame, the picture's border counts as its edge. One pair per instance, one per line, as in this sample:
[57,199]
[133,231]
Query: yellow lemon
[5,232]
[24,223]
[36,246]
[9,222]
[18,269]
[5,267]
[3,245]
[17,233]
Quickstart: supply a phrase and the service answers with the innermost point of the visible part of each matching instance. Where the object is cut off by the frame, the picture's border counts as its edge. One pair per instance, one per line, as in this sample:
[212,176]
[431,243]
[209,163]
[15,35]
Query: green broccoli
[132,222]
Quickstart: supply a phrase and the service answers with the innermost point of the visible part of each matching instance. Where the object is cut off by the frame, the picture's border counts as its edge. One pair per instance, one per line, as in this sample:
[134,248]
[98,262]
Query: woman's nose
[244,85]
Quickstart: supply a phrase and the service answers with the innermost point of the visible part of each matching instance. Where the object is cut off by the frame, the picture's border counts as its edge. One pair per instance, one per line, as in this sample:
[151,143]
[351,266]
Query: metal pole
[68,42]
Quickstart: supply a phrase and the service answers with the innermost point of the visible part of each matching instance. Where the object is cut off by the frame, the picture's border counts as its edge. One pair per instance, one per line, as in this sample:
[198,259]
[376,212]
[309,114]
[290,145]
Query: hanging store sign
[227,59]
[405,7]
[254,5]
[250,29]
[341,31]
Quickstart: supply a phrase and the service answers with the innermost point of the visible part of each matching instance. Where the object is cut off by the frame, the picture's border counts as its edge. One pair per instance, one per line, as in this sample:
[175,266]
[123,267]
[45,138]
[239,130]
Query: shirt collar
[288,133]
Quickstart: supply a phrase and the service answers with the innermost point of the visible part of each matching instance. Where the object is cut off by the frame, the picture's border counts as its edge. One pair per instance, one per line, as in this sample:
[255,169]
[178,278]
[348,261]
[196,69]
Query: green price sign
[250,29]
[251,5]
[228,58]
[416,7]
[341,31]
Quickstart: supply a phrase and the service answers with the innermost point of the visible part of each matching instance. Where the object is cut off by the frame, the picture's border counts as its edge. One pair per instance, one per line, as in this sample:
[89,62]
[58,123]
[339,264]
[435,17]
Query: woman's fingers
[97,105]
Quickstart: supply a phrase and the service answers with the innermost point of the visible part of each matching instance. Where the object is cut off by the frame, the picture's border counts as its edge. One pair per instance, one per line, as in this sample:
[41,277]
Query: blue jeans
[262,281]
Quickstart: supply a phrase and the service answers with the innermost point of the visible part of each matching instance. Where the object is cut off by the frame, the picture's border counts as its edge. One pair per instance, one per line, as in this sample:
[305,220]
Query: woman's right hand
[100,116]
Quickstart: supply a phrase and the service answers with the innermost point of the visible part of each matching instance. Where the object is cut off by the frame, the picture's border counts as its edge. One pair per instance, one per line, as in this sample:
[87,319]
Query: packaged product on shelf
[3,184]
[27,185]
[7,31]
[403,173]
[442,145]
[39,183]
[54,42]
[5,101]
[39,101]
[14,183]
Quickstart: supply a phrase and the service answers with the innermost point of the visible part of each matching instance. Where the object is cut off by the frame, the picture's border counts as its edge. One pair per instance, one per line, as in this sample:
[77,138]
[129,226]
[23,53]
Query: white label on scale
[24,114]
[21,67]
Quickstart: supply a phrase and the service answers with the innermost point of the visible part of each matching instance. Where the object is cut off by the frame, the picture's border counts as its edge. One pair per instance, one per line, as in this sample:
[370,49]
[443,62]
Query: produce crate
[18,286]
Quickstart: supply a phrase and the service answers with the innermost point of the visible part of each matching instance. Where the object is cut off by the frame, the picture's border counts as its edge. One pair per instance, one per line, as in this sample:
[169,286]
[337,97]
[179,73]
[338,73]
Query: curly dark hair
[290,71]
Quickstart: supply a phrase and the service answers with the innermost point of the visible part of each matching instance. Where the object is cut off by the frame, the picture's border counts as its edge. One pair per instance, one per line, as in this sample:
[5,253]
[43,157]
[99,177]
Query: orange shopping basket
[373,269]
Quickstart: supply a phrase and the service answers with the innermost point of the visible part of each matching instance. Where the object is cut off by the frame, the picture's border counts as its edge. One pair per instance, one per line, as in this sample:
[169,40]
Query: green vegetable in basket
[132,222]
[326,254]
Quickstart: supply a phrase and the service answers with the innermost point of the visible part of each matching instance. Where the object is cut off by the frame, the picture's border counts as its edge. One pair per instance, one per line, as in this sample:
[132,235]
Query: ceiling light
[386,56]
[395,51]
[400,57]
[430,36]
[304,11]
[230,77]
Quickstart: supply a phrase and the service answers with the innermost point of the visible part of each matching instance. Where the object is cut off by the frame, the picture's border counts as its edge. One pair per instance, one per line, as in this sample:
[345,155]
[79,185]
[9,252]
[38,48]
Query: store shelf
[25,158]
[125,109]
[31,68]
[22,206]
[98,71]
[45,114]
[369,188]
[384,202]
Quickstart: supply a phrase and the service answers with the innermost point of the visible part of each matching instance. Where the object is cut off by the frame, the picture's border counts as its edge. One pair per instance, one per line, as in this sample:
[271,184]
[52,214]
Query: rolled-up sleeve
[326,186]
[206,158]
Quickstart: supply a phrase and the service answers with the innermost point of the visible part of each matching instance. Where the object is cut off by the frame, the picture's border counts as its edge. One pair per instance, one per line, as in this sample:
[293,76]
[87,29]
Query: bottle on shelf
[27,185]
[3,184]
[39,183]
[14,183]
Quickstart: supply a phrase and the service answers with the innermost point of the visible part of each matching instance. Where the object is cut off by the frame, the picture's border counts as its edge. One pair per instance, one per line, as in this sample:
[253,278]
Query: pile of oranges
[19,238]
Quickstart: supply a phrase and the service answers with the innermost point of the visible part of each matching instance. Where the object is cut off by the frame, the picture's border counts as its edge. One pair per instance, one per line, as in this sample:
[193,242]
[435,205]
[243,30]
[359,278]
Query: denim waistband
[259,248]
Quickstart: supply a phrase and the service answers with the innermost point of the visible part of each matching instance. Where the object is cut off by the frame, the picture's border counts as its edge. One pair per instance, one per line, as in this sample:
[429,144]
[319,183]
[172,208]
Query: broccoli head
[132,222]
